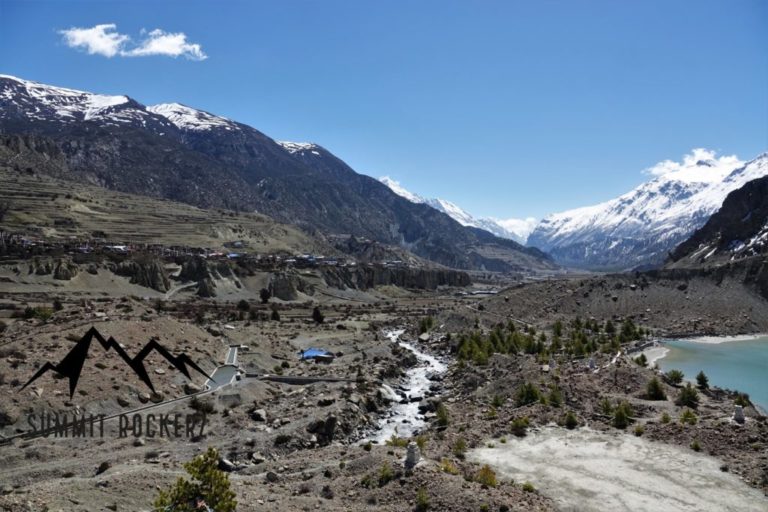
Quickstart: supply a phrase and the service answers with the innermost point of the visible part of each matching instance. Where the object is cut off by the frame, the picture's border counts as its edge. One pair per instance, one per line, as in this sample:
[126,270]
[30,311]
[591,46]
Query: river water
[404,420]
[734,363]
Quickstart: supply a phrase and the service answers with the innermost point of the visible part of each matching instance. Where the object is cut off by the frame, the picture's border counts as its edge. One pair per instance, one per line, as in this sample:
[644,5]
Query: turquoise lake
[740,365]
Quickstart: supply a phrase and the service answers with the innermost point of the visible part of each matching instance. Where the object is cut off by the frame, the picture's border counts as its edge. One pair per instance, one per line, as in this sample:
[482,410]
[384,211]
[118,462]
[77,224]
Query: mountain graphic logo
[72,364]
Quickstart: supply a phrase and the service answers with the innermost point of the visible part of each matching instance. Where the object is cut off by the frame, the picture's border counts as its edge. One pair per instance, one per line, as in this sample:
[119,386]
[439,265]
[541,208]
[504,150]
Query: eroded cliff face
[287,285]
[149,273]
[369,276]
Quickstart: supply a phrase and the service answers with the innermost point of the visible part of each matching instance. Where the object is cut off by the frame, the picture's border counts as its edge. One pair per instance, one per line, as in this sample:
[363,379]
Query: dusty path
[589,471]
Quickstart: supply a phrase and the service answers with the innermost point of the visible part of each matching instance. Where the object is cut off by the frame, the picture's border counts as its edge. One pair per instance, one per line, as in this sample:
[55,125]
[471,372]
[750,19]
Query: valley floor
[303,445]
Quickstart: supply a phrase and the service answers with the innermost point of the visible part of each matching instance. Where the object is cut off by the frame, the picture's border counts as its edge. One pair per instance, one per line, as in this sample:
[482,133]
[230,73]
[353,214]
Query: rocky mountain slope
[737,231]
[642,226]
[512,229]
[175,152]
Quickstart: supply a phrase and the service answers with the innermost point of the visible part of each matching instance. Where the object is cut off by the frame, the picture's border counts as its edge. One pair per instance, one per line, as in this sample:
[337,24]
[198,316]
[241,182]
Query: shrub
[204,406]
[386,474]
[397,442]
[426,324]
[688,397]
[665,418]
[654,390]
[497,401]
[622,416]
[743,400]
[555,397]
[460,448]
[492,413]
[367,446]
[275,316]
[57,305]
[695,446]
[442,415]
[486,476]
[528,487]
[702,380]
[688,417]
[43,313]
[674,377]
[642,360]
[446,466]
[421,442]
[422,500]
[317,315]
[265,295]
[243,305]
[606,407]
[639,430]
[208,482]
[519,426]
[570,421]
[527,393]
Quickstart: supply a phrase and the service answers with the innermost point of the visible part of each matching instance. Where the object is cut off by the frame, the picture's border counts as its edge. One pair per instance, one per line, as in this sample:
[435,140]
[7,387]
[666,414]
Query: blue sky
[508,108]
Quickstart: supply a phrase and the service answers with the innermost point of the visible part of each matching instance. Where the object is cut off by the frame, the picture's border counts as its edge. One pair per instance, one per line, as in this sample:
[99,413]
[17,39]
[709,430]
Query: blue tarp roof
[314,352]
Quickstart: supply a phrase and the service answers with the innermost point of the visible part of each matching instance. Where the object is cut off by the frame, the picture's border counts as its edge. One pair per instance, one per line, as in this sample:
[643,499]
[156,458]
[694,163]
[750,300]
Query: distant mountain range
[641,227]
[177,152]
[513,229]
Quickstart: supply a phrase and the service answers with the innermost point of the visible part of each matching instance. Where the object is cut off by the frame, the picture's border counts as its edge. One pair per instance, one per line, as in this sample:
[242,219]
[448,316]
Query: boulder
[190,388]
[259,415]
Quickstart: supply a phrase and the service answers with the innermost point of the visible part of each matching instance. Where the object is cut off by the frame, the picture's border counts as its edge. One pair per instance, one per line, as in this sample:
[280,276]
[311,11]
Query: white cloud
[98,40]
[105,40]
[520,227]
[699,165]
[159,42]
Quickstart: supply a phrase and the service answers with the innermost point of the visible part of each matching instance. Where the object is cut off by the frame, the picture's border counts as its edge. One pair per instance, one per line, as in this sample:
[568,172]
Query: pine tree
[654,390]
[702,380]
[208,482]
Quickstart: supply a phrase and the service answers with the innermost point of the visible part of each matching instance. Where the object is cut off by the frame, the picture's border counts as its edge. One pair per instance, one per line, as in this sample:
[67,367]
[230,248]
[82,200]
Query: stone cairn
[738,414]
[412,456]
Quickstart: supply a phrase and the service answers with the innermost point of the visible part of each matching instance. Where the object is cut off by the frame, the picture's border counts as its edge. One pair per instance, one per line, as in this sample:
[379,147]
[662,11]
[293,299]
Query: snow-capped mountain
[642,226]
[184,154]
[512,229]
[187,118]
[37,103]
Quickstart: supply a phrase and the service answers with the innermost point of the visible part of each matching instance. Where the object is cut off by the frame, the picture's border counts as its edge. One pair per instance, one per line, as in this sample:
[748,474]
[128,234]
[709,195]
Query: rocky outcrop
[206,288]
[149,273]
[369,276]
[287,285]
[62,269]
[65,270]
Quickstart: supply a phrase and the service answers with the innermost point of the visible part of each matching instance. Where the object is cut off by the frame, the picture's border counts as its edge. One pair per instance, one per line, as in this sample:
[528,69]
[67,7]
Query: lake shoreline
[661,349]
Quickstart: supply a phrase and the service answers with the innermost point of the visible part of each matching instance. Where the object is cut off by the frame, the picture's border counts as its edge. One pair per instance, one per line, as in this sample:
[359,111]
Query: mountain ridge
[492,225]
[640,227]
[131,148]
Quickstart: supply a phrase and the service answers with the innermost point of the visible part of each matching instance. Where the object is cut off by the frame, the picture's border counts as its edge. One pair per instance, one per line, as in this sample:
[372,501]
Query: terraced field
[52,208]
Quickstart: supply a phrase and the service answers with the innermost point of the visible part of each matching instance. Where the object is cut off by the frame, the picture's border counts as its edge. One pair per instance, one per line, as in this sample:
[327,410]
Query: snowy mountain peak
[513,229]
[700,166]
[642,225]
[299,147]
[67,104]
[398,189]
[188,118]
